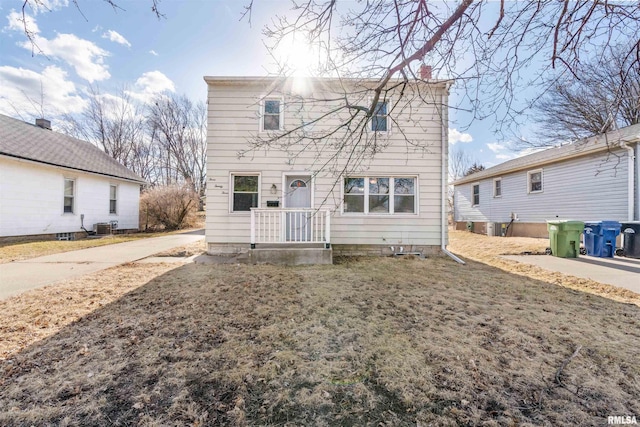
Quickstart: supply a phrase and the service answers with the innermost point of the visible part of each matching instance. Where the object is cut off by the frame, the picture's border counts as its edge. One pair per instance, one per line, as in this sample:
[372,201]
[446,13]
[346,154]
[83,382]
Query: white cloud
[41,6]
[22,91]
[151,84]
[456,136]
[153,52]
[17,22]
[496,147]
[83,55]
[508,150]
[116,38]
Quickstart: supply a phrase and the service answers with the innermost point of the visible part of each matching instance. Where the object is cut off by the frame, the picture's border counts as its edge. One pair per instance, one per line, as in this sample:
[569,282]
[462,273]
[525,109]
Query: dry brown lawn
[488,250]
[365,342]
[17,251]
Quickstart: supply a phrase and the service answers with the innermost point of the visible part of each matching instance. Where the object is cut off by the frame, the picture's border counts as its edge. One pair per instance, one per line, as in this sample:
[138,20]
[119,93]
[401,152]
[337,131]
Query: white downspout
[443,176]
[631,180]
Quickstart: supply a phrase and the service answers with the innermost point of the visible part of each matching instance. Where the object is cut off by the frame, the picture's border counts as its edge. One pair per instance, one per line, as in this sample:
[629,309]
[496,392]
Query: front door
[298,196]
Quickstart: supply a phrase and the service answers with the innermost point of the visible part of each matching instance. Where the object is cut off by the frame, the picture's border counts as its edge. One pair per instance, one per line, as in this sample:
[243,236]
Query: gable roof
[26,141]
[594,144]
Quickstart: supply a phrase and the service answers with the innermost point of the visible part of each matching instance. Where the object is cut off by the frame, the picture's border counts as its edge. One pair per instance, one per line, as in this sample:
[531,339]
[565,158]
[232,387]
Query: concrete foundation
[301,254]
[516,229]
[385,250]
[75,235]
[291,256]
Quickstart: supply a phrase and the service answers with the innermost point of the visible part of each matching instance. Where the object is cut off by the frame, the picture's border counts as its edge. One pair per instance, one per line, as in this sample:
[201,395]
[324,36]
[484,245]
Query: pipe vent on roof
[43,123]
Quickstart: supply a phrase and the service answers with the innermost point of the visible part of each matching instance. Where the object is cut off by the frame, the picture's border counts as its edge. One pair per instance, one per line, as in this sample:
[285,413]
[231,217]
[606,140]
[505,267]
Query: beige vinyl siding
[587,188]
[233,119]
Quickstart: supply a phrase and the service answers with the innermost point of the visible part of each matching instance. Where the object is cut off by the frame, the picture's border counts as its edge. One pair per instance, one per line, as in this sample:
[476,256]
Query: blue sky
[131,48]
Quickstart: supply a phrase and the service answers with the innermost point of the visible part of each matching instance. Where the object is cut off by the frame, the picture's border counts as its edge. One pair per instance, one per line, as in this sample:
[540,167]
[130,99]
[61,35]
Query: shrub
[171,207]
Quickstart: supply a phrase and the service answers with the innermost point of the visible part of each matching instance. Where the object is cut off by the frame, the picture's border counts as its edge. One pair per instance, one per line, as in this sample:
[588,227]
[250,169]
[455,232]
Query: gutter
[443,176]
[630,181]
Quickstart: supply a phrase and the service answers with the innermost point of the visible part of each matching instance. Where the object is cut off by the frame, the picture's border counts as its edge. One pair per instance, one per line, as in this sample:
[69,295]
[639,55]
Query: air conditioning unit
[496,228]
[102,228]
[491,231]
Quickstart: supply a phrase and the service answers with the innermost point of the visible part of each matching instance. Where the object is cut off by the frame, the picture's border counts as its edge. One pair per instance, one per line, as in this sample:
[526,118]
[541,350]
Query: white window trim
[473,195]
[389,123]
[391,213]
[531,172]
[231,188]
[75,192]
[116,199]
[271,98]
[497,196]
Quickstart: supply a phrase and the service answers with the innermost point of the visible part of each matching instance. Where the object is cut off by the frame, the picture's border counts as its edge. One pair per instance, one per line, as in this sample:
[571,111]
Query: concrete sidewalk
[618,271]
[17,277]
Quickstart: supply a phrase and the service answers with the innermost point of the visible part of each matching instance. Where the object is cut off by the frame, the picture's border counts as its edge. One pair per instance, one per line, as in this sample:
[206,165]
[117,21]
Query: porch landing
[290,255]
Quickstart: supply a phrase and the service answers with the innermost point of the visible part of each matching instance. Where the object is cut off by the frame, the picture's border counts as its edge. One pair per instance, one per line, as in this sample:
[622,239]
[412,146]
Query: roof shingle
[630,134]
[28,141]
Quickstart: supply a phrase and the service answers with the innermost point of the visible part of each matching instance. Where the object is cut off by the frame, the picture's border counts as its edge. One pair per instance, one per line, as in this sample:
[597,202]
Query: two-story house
[295,163]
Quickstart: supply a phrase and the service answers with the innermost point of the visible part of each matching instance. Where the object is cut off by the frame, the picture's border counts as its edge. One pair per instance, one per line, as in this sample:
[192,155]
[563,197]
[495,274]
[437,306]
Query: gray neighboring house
[53,184]
[590,180]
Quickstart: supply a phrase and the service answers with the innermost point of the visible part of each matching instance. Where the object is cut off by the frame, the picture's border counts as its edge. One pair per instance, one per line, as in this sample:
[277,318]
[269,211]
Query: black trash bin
[631,244]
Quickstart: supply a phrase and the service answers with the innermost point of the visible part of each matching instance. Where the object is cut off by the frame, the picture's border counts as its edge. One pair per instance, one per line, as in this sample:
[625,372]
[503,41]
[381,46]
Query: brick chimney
[43,123]
[425,72]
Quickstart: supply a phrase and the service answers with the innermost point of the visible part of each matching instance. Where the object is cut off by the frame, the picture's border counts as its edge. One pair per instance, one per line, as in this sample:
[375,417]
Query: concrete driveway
[618,271]
[19,276]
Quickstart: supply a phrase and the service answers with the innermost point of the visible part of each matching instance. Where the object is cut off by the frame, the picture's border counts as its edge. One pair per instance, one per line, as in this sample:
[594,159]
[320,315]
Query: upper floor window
[113,199]
[69,195]
[379,119]
[476,194]
[497,187]
[245,192]
[534,179]
[271,114]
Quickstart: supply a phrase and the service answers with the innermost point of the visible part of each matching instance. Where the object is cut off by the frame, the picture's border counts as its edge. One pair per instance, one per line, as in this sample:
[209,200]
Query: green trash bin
[564,237]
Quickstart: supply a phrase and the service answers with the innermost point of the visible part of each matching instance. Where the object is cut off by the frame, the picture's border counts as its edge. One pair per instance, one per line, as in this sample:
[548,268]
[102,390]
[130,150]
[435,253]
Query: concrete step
[291,255]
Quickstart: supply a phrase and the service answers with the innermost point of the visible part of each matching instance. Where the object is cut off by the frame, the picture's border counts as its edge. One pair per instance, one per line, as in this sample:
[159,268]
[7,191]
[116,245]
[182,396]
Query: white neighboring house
[593,179]
[274,198]
[51,183]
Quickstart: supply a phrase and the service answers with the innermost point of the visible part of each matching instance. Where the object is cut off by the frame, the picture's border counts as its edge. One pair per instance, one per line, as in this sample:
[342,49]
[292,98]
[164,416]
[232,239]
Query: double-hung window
[271,114]
[69,195]
[113,199]
[476,194]
[380,195]
[380,118]
[534,180]
[245,192]
[497,187]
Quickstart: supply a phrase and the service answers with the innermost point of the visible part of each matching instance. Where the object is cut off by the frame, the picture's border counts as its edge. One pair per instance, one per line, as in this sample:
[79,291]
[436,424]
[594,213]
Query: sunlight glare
[298,57]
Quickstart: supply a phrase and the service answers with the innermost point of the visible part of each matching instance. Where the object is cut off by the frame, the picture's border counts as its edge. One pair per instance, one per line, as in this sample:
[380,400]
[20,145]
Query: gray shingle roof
[28,141]
[629,134]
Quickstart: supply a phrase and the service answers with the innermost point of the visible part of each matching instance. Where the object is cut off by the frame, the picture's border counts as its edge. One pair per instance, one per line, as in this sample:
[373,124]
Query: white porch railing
[290,226]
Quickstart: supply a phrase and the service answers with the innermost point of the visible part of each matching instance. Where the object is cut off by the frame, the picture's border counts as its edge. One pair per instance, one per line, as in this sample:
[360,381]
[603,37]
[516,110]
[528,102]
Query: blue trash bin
[610,232]
[600,238]
[592,237]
